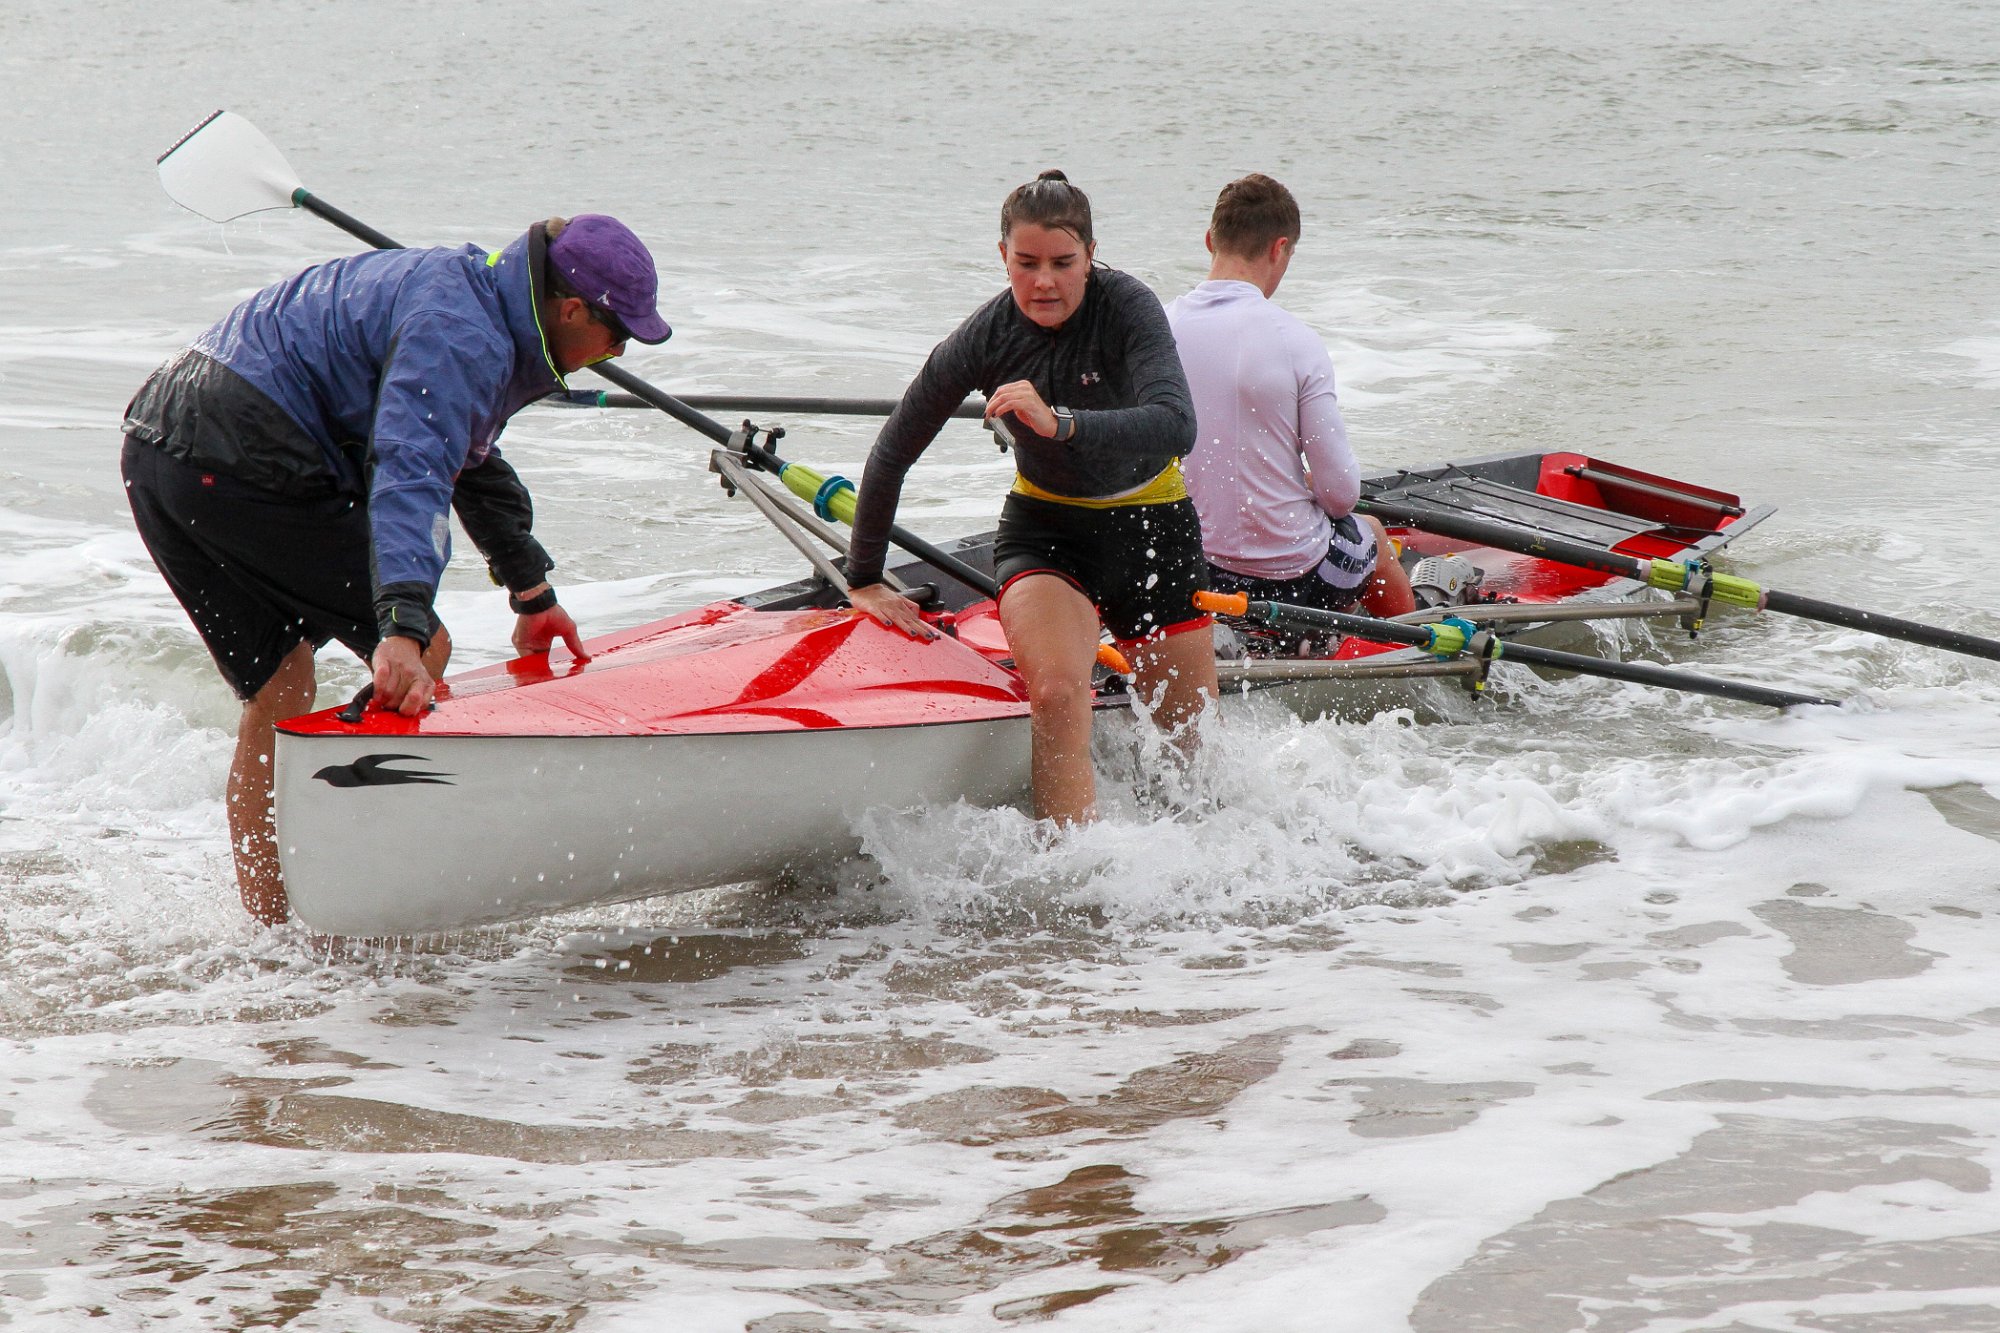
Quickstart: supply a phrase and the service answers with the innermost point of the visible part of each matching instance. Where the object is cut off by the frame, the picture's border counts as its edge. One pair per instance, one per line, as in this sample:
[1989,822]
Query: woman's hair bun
[1067,209]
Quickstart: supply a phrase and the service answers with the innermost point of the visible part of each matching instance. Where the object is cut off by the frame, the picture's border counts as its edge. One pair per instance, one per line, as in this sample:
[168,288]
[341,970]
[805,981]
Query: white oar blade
[224,168]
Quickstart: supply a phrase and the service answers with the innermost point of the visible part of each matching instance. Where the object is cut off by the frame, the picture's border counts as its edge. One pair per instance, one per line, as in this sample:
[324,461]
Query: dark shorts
[259,574]
[1140,564]
[1335,584]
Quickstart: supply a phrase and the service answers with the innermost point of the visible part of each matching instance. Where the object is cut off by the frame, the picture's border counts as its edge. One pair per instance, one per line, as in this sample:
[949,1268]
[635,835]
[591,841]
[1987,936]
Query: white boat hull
[519,826]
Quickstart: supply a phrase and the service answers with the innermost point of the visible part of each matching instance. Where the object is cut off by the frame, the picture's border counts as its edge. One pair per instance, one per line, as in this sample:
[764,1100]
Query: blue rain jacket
[400,367]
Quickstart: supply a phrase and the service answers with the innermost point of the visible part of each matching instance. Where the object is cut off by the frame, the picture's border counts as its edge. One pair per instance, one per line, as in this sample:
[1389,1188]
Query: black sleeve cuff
[545,600]
[404,609]
[521,568]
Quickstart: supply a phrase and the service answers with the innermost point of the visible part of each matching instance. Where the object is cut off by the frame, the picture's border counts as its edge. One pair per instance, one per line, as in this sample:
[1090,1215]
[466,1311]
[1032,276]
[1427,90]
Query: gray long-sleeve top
[1113,363]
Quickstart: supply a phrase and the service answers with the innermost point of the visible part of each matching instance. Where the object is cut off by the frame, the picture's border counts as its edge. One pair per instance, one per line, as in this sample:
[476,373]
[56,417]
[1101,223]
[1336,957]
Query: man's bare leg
[253,841]
[253,837]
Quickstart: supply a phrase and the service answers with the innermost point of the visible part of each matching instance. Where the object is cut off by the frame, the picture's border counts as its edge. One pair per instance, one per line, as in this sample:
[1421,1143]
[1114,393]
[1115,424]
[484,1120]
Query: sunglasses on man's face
[609,319]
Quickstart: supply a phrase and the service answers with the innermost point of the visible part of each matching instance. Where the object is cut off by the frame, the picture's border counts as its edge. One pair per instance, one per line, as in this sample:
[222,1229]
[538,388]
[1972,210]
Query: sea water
[1586,1007]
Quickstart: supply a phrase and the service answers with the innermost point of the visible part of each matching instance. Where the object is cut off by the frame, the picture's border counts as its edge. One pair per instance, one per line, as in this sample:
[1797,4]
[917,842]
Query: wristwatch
[1065,425]
[531,606]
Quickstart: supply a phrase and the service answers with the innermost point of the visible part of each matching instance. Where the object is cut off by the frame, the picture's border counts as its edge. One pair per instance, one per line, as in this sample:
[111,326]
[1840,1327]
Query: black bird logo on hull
[367,771]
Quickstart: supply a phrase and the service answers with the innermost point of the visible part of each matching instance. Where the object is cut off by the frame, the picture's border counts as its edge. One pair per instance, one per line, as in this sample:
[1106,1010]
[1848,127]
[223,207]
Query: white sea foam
[1388,347]
[1983,353]
[119,347]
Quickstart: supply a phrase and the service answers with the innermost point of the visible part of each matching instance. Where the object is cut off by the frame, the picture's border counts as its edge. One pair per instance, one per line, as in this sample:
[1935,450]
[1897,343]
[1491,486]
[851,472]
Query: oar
[983,584]
[1673,575]
[971,409]
[1452,637]
[833,497]
[225,168]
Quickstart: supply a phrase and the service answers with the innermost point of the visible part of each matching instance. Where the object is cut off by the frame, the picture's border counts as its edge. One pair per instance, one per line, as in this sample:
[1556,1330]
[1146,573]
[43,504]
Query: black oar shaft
[1286,615]
[715,430]
[666,402]
[970,409]
[347,222]
[1874,622]
[1390,631]
[943,563]
[1642,673]
[1504,536]
[1507,537]
[903,537]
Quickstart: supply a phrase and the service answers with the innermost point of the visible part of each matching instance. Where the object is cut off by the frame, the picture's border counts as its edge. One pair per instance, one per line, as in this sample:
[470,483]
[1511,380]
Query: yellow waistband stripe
[1165,488]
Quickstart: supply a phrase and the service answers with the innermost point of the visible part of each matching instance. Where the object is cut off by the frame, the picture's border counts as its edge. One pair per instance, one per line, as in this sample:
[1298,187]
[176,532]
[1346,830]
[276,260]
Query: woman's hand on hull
[886,606]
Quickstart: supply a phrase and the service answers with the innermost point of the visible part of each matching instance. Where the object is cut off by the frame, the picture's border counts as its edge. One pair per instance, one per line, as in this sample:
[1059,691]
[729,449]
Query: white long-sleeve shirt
[1271,467]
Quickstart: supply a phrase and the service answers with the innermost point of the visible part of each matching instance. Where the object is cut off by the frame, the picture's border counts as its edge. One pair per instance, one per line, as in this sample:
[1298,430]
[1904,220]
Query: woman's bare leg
[1052,630]
[253,836]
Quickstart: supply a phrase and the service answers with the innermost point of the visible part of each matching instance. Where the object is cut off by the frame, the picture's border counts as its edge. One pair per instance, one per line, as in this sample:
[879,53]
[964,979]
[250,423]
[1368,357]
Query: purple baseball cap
[608,266]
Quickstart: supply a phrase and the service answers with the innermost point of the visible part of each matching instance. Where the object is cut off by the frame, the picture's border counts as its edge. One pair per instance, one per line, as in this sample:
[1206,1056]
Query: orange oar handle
[1223,603]
[1111,659]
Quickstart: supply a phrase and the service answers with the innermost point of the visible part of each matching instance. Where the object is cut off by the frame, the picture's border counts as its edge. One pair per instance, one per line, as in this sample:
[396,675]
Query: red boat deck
[729,668]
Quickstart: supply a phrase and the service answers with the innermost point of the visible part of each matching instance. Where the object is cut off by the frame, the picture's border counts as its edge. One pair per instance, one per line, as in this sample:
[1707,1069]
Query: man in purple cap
[293,470]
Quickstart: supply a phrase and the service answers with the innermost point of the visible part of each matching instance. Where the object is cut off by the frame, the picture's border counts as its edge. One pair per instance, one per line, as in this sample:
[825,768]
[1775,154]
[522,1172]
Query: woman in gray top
[1081,364]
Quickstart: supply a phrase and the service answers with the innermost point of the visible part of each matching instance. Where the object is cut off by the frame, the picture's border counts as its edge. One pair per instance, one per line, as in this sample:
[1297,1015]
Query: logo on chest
[1089,377]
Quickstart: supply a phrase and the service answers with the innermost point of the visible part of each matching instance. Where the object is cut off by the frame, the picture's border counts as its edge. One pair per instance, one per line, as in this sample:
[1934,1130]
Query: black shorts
[259,574]
[1140,564]
[1335,584]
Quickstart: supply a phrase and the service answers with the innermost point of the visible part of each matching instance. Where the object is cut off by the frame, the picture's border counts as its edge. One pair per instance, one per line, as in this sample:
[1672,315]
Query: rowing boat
[547,783]
[544,784]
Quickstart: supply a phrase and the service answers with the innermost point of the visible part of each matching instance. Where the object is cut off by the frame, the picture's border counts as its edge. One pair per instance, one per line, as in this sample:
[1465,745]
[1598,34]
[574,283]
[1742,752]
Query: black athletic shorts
[258,573]
[1141,564]
[1336,583]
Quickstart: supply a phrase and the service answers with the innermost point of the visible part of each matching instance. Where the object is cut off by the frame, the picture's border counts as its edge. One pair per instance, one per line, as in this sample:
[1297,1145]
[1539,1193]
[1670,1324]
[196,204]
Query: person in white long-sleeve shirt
[1271,473]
